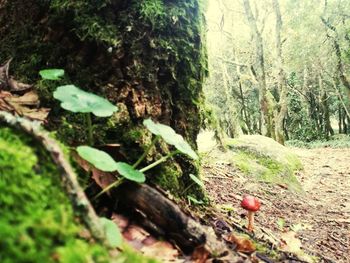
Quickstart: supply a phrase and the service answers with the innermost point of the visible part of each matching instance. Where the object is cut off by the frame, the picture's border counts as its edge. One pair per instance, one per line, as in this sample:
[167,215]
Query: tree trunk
[148,59]
[266,111]
[281,77]
[340,124]
[327,127]
[233,123]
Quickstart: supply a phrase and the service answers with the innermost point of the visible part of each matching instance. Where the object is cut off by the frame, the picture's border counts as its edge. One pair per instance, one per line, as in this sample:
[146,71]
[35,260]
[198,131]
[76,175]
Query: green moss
[265,250]
[37,223]
[266,169]
[266,160]
[168,177]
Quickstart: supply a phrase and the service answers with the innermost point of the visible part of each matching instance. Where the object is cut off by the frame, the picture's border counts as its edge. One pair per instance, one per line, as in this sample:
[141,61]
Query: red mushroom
[251,204]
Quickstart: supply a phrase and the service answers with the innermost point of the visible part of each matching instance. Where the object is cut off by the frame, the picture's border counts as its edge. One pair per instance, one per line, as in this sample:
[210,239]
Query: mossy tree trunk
[146,56]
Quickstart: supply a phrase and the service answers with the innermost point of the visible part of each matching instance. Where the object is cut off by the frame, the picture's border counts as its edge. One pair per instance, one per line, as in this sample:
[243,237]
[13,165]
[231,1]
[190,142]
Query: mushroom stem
[250,221]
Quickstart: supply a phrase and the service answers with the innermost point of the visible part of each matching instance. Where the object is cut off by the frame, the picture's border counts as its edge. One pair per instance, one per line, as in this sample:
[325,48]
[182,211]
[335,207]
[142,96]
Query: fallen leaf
[102,179]
[135,236]
[200,255]
[121,221]
[4,94]
[161,250]
[134,232]
[18,86]
[30,98]
[37,114]
[291,244]
[25,105]
[242,244]
[150,240]
[4,72]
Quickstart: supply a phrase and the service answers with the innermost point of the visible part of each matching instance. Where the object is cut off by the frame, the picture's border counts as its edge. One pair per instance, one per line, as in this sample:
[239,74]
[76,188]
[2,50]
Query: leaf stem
[161,160]
[114,184]
[143,156]
[89,128]
[188,187]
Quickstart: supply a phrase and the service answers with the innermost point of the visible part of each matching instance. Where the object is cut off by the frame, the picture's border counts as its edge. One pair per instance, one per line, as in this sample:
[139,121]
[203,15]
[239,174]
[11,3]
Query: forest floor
[319,217]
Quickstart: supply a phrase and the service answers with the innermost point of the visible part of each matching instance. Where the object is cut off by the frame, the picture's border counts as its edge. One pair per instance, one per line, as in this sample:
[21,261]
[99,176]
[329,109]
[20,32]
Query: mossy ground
[265,160]
[37,222]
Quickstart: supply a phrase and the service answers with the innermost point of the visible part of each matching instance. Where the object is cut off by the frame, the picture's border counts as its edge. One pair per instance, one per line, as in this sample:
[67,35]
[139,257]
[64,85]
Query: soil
[320,216]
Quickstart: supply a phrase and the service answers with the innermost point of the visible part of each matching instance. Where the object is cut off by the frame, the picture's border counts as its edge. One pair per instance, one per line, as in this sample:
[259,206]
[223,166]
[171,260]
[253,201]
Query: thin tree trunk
[241,96]
[265,107]
[280,77]
[340,126]
[341,98]
[328,130]
[233,126]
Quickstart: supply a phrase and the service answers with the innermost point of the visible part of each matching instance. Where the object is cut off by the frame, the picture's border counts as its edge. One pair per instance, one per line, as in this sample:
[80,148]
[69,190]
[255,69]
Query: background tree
[292,53]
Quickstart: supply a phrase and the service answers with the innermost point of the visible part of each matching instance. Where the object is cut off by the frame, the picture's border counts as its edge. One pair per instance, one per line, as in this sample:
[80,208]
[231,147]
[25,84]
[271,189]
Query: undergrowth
[337,141]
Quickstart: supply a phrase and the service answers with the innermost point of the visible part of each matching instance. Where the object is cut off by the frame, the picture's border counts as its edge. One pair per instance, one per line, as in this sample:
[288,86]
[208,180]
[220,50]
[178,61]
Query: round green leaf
[170,137]
[77,100]
[112,232]
[197,180]
[130,172]
[185,148]
[100,159]
[51,74]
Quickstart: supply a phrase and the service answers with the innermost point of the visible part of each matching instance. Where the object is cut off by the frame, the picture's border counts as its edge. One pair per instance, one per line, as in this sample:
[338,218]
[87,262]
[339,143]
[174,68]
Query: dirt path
[326,180]
[321,214]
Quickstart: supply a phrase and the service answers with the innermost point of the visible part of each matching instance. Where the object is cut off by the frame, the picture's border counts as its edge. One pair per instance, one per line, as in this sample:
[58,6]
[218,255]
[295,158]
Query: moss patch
[37,223]
[266,160]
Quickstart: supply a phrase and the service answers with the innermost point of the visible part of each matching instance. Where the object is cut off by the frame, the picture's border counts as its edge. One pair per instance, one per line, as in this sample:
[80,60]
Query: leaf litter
[19,98]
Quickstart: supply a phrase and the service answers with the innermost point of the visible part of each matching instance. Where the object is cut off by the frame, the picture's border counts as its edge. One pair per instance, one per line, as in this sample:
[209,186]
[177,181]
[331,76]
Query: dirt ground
[320,216]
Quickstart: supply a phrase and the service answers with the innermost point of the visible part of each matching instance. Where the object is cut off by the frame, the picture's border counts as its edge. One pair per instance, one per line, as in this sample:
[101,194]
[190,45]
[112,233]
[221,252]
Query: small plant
[105,162]
[76,100]
[197,181]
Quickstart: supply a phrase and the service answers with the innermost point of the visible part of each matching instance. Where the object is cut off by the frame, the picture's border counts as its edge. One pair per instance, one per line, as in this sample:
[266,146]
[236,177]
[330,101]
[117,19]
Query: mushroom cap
[250,203]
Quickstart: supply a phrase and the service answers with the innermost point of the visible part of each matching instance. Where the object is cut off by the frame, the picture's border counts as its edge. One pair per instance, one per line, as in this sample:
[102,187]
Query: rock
[265,159]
